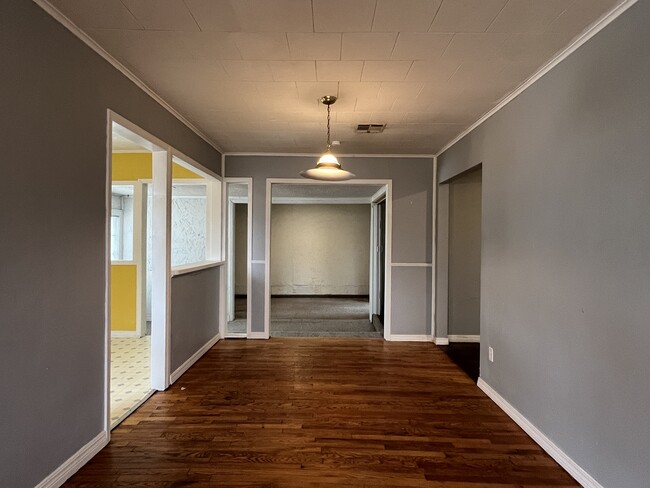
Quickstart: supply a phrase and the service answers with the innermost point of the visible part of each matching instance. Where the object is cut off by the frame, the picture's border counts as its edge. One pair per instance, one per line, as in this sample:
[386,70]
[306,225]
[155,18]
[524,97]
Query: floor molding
[257,335]
[464,338]
[124,333]
[441,341]
[409,338]
[193,359]
[552,449]
[61,474]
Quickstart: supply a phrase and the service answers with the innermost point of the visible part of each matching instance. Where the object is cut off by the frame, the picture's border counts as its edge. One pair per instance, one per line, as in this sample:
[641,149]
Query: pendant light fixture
[328,167]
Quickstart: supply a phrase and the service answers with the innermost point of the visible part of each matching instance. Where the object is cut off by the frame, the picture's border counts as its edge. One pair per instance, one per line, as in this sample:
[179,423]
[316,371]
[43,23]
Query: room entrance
[326,273]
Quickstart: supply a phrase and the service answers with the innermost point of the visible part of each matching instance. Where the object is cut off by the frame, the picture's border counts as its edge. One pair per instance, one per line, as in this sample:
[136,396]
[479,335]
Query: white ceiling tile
[420,45]
[343,15]
[215,15]
[440,70]
[353,117]
[339,70]
[211,45]
[162,14]
[466,15]
[370,104]
[528,15]
[368,46]
[581,14]
[397,89]
[349,90]
[311,46]
[275,16]
[467,47]
[387,118]
[247,70]
[98,14]
[293,70]
[385,70]
[404,15]
[262,46]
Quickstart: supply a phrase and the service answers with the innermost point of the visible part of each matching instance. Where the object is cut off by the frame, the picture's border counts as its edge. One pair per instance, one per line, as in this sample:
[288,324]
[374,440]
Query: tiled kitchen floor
[130,375]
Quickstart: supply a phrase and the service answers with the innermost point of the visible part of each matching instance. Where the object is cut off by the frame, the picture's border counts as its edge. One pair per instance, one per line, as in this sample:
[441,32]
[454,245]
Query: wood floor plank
[321,412]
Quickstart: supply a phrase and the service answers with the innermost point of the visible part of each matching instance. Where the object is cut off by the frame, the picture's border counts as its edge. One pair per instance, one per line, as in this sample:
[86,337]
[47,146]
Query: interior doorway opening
[464,271]
[325,275]
[239,232]
[130,273]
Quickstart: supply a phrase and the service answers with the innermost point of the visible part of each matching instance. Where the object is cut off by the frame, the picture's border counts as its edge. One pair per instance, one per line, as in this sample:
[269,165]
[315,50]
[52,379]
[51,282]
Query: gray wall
[241,248]
[412,225]
[465,254]
[194,312]
[565,285]
[55,92]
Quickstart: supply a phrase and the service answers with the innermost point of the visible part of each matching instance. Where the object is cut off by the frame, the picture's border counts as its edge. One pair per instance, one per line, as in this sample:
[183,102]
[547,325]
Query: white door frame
[374,262]
[267,243]
[230,244]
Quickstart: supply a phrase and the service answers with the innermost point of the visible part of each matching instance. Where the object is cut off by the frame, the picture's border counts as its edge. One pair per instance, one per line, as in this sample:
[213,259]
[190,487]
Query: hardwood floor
[321,412]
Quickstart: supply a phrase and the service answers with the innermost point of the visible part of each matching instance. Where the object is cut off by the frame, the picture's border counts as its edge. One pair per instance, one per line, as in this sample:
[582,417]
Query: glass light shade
[327,168]
[328,158]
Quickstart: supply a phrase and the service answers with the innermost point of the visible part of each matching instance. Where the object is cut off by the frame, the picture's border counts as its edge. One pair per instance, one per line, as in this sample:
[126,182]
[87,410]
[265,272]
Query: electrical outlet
[491,354]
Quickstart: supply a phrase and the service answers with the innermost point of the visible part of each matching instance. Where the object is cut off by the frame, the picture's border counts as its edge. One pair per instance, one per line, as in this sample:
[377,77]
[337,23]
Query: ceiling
[249,73]
[123,144]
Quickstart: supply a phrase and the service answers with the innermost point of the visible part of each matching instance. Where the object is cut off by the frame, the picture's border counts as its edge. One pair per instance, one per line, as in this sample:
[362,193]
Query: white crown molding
[590,32]
[464,338]
[193,359]
[92,44]
[316,155]
[61,474]
[552,449]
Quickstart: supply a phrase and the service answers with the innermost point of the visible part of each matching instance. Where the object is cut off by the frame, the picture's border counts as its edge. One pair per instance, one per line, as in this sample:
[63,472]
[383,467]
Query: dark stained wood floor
[321,412]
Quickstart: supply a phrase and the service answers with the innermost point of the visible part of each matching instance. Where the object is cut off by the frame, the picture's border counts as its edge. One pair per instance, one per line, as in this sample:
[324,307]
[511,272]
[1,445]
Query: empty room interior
[303,243]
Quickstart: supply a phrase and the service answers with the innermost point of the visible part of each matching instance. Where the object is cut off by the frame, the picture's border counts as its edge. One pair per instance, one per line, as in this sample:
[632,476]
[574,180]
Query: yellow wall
[123,296]
[137,166]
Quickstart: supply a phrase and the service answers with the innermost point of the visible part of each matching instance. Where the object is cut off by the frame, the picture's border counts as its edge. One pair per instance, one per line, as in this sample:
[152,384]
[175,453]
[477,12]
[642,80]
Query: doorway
[239,232]
[130,260]
[321,276]
[464,271]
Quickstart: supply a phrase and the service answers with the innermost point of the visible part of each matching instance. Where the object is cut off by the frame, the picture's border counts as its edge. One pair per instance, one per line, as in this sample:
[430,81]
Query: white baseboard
[552,449]
[192,359]
[124,333]
[61,474]
[441,341]
[409,338]
[464,338]
[257,335]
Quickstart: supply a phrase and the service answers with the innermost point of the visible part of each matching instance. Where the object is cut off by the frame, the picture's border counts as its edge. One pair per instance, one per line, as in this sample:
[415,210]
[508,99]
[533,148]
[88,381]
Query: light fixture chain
[328,127]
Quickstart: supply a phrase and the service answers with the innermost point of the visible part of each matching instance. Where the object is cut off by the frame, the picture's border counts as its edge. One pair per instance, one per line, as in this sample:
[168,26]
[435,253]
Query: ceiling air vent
[371,128]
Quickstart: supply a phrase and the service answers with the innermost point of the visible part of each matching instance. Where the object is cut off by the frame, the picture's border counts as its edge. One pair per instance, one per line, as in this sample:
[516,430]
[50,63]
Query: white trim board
[61,474]
[552,449]
[413,265]
[124,333]
[193,359]
[320,201]
[409,338]
[338,155]
[464,338]
[441,341]
[92,44]
[590,32]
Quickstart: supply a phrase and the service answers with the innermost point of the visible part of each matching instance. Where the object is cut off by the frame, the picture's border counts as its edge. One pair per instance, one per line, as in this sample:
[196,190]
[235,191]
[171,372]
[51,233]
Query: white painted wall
[320,249]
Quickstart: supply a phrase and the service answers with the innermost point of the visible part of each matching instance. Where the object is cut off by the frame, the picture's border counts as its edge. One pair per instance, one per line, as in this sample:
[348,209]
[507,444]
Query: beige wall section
[241,237]
[465,254]
[320,249]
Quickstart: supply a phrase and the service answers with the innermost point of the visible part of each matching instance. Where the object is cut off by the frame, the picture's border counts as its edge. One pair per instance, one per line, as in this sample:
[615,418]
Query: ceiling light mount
[328,167]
